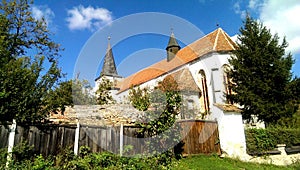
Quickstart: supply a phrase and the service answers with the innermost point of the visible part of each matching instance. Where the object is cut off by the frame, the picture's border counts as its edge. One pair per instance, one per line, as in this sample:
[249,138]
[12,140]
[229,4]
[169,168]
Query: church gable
[185,80]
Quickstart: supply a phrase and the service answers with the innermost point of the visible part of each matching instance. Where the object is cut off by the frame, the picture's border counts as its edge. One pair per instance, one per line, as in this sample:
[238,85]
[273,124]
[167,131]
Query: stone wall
[113,114]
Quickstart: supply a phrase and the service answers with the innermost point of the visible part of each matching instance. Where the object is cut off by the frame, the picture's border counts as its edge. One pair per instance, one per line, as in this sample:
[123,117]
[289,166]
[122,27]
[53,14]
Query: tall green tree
[28,63]
[261,73]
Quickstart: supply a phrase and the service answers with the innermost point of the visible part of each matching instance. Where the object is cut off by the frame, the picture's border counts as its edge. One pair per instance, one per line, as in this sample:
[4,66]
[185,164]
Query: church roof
[185,80]
[216,41]
[109,66]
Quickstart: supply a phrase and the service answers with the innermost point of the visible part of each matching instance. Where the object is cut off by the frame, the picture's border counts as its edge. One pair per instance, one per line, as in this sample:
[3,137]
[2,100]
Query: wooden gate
[200,136]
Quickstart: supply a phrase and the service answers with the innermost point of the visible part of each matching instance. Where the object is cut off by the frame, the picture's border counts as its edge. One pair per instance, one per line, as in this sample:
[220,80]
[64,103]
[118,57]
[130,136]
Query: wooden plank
[4,133]
[200,138]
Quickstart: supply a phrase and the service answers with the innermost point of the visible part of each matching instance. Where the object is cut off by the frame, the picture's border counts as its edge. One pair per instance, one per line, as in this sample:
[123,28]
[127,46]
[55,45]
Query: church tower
[172,47]
[109,72]
[109,65]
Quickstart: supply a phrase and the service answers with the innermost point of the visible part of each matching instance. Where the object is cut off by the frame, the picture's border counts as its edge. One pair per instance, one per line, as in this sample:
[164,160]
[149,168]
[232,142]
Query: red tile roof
[216,41]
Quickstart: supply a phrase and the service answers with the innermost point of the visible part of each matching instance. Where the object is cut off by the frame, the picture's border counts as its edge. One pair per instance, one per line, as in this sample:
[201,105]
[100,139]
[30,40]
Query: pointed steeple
[109,66]
[173,47]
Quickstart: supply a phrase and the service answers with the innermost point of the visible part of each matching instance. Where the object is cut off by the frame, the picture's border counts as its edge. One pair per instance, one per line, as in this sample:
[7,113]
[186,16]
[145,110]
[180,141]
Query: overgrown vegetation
[139,98]
[162,132]
[88,161]
[262,74]
[261,140]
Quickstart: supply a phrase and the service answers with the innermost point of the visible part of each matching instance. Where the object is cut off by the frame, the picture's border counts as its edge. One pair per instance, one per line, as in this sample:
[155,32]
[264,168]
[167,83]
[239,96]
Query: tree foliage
[261,73]
[139,98]
[70,93]
[163,128]
[103,92]
[294,87]
[28,63]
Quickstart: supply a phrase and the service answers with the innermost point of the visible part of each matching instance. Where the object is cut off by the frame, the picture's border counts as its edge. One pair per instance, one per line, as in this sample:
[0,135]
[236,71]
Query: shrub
[139,98]
[64,158]
[261,140]
[23,151]
[3,157]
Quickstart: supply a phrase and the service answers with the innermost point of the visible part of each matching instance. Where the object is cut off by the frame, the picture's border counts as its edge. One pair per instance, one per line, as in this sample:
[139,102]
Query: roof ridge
[204,36]
[226,38]
[216,39]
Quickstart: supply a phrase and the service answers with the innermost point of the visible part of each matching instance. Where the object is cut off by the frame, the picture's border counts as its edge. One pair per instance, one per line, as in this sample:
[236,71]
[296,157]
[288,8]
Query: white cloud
[38,12]
[237,10]
[283,18]
[255,4]
[280,17]
[80,18]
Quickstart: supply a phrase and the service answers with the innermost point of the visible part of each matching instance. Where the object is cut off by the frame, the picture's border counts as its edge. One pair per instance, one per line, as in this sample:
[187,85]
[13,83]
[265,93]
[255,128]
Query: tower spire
[173,47]
[109,65]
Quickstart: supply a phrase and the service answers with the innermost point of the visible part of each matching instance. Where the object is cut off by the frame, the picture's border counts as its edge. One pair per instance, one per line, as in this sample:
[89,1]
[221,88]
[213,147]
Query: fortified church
[200,72]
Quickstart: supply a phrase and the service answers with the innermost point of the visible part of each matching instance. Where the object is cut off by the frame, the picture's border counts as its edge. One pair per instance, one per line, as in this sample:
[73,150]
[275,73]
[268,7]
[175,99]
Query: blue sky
[77,24]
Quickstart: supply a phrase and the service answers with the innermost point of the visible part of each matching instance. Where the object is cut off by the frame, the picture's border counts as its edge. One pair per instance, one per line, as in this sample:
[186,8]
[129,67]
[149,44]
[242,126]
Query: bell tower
[172,47]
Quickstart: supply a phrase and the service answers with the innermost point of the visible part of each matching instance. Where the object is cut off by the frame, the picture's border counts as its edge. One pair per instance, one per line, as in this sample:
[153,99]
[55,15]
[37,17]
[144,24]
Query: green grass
[204,162]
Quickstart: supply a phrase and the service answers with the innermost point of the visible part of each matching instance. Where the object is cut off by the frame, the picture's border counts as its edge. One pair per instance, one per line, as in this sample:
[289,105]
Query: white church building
[200,72]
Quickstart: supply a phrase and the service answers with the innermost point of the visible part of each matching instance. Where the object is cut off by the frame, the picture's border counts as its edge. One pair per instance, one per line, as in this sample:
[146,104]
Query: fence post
[11,140]
[76,140]
[121,139]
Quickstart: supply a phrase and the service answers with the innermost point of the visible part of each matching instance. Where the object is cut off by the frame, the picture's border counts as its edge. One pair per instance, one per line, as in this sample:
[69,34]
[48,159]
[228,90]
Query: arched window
[227,84]
[204,102]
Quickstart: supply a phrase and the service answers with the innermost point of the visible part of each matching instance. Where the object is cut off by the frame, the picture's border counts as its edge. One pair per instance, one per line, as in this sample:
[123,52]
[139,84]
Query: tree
[261,73]
[139,98]
[82,93]
[25,78]
[103,92]
[294,87]
[70,93]
[164,129]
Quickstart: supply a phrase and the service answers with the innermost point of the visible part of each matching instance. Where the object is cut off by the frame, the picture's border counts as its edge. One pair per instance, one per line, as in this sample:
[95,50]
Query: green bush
[286,136]
[3,157]
[139,98]
[261,140]
[23,151]
[67,160]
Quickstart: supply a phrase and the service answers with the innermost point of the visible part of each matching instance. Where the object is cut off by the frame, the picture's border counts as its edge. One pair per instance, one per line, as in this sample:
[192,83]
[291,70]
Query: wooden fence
[199,137]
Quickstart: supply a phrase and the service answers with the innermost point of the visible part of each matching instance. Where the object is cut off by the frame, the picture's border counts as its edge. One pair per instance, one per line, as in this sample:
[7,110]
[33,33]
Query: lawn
[204,162]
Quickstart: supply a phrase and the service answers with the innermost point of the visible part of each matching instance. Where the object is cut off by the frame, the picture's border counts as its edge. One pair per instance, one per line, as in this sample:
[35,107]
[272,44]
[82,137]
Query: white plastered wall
[230,124]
